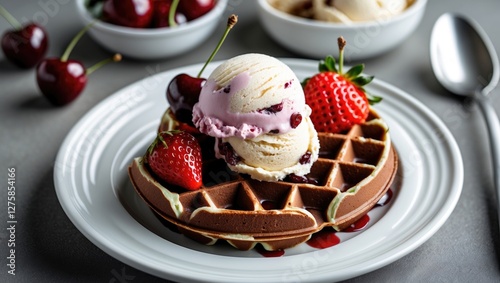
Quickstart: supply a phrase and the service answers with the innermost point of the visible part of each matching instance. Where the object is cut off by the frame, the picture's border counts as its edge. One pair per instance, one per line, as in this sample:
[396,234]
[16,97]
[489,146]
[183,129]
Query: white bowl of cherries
[142,29]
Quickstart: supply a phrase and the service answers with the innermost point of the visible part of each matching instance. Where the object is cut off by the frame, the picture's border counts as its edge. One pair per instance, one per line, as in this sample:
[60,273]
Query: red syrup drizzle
[359,225]
[328,238]
[266,253]
[324,239]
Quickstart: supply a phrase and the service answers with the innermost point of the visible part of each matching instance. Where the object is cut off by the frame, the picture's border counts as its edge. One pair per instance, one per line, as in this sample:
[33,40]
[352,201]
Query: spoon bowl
[464,62]
[463,59]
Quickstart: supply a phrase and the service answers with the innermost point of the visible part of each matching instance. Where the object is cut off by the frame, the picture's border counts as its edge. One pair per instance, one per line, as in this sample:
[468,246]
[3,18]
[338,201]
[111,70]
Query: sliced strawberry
[338,100]
[175,158]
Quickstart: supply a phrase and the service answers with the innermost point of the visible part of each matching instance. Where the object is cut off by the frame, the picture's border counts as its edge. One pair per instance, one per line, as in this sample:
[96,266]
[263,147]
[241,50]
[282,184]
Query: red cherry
[128,13]
[62,80]
[194,9]
[183,93]
[161,9]
[25,45]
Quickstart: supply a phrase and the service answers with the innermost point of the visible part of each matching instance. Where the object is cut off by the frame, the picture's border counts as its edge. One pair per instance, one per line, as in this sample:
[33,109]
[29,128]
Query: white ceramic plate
[93,188]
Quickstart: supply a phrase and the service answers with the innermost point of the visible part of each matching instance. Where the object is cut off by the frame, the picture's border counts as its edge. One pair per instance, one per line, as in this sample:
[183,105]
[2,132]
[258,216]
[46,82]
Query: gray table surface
[50,249]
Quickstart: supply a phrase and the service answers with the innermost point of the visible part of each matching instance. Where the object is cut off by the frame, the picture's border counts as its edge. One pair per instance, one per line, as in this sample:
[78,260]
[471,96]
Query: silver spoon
[464,62]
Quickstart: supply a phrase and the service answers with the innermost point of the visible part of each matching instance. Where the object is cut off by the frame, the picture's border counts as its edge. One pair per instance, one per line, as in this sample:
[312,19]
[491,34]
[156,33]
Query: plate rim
[421,236]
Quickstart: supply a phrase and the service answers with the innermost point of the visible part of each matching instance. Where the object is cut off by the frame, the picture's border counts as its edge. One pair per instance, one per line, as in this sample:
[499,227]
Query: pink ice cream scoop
[255,104]
[247,96]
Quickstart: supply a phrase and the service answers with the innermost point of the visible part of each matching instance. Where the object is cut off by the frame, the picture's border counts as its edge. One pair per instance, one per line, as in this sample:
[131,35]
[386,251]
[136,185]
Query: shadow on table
[493,220]
[32,100]
[37,102]
[8,67]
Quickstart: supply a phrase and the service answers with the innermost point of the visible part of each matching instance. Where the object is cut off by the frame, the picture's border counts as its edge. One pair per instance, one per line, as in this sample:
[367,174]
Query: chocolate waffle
[353,172]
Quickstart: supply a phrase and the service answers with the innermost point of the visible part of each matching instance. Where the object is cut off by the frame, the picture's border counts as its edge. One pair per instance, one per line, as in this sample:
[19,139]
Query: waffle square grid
[353,172]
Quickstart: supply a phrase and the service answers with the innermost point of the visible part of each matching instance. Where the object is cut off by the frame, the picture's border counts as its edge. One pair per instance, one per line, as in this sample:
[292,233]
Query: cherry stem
[341,42]
[116,58]
[74,41]
[231,21]
[171,13]
[8,16]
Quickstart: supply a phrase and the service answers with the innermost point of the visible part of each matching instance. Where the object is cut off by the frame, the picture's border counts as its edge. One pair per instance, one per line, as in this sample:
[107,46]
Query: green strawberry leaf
[331,64]
[361,80]
[322,66]
[304,82]
[354,71]
[149,151]
[162,140]
[159,138]
[373,99]
[328,65]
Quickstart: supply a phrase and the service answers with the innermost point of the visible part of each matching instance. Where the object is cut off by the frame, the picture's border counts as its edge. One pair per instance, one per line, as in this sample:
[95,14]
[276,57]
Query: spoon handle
[493,125]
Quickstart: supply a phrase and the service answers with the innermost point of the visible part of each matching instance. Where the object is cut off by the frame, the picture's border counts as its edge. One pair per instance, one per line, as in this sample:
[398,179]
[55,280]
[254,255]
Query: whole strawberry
[338,100]
[175,157]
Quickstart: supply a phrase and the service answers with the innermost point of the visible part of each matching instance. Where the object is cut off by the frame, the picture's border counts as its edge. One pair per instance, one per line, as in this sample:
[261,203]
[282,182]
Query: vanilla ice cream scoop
[271,157]
[343,11]
[366,10]
[347,11]
[255,106]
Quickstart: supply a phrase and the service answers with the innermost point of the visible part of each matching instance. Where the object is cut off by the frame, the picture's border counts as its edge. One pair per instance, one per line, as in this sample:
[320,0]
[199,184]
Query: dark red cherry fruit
[24,45]
[194,9]
[128,13]
[61,81]
[161,9]
[183,92]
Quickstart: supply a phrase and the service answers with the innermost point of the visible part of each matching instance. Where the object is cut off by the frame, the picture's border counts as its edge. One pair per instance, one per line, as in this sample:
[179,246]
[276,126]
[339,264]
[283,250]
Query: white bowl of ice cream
[311,27]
